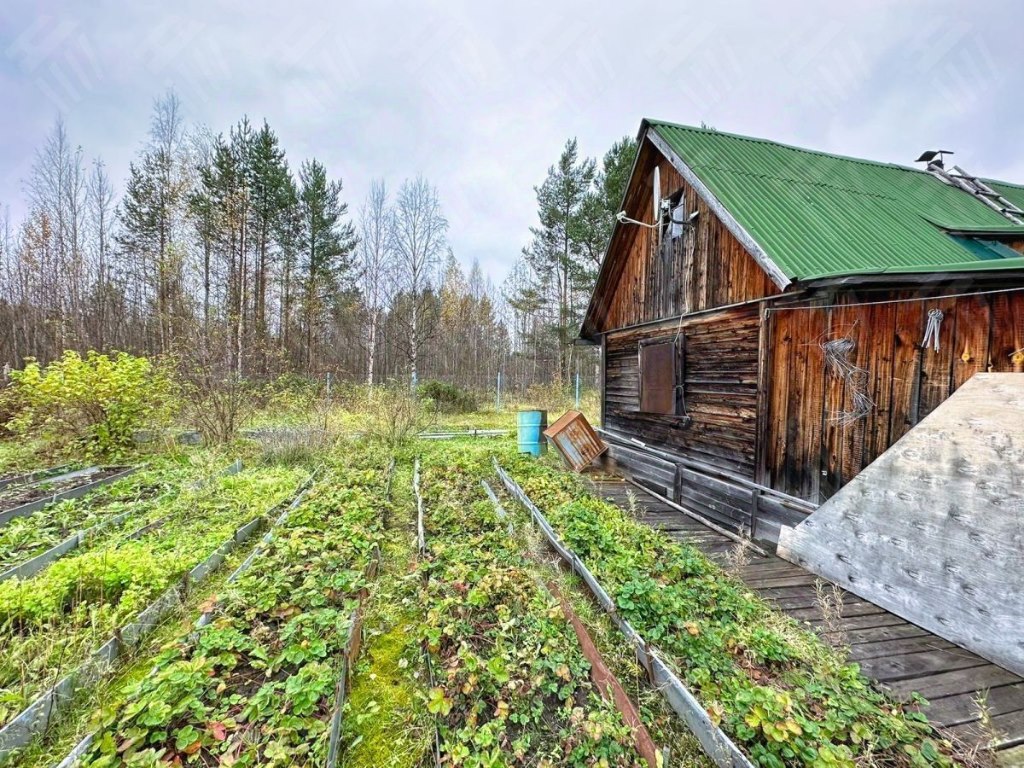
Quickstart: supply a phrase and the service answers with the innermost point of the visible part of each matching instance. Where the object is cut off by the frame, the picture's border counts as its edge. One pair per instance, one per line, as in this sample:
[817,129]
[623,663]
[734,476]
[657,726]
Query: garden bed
[19,501]
[512,682]
[50,623]
[28,544]
[258,683]
[781,694]
[25,478]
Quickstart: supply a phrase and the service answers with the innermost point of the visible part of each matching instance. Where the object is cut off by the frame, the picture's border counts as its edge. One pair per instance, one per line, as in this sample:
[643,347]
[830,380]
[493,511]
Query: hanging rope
[932,329]
[837,360]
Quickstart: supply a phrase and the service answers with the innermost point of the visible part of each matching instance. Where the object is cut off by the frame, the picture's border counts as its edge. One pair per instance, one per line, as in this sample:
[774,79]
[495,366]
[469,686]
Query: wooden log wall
[719,388]
[705,268]
[810,450]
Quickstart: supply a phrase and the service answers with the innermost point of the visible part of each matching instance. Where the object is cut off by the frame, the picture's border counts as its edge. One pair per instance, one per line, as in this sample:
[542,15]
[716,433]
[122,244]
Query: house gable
[707,267]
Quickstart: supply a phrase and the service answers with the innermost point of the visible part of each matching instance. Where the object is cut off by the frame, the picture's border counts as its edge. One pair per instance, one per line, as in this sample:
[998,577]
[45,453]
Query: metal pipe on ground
[607,684]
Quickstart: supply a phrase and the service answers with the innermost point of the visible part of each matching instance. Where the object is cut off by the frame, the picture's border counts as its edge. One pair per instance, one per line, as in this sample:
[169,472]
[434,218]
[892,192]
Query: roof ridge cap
[759,140]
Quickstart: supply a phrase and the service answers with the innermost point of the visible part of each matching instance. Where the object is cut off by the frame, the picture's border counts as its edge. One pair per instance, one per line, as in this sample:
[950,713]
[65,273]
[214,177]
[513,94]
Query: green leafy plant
[779,691]
[94,404]
[256,685]
[447,398]
[512,683]
[52,621]
[392,415]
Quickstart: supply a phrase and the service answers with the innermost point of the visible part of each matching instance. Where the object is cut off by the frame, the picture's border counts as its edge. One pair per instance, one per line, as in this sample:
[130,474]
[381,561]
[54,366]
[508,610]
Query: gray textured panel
[933,530]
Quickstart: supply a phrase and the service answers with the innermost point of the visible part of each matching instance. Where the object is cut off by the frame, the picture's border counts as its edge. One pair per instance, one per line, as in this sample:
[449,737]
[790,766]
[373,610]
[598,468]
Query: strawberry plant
[775,688]
[512,684]
[51,622]
[24,537]
[256,685]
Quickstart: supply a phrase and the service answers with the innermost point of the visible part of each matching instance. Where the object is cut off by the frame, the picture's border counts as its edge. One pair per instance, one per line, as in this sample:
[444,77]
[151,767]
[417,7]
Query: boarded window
[659,369]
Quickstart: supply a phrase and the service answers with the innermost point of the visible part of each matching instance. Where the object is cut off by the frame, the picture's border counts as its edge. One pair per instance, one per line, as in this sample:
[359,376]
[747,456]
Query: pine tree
[604,201]
[325,244]
[154,202]
[272,197]
[557,251]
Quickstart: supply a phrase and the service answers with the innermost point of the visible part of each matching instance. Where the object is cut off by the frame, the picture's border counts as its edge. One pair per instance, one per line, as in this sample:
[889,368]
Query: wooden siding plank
[971,341]
[1007,336]
[937,367]
[907,353]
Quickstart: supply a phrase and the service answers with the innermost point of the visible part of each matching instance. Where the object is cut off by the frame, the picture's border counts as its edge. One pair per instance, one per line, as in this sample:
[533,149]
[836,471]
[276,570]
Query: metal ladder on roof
[979,189]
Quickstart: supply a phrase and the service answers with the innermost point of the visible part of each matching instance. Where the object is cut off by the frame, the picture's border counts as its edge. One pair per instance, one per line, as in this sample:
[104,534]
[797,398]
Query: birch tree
[375,264]
[100,204]
[418,236]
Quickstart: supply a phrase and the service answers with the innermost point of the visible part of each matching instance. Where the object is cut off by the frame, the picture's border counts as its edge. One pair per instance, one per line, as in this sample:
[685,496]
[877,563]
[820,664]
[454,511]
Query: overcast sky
[480,96]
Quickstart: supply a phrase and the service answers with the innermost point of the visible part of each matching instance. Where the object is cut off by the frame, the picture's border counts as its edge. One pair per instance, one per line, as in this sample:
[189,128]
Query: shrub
[96,403]
[218,399]
[447,398]
[393,416]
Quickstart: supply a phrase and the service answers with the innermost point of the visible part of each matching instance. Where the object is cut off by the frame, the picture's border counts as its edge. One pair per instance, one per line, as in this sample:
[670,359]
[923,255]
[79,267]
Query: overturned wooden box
[576,440]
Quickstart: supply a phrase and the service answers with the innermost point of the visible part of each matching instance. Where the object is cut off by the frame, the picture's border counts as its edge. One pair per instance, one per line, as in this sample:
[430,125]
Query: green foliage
[50,622]
[447,398]
[256,686]
[513,685]
[137,494]
[94,404]
[392,415]
[775,688]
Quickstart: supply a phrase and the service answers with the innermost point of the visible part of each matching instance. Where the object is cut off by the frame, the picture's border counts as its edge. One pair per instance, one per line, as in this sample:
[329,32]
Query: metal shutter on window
[658,378]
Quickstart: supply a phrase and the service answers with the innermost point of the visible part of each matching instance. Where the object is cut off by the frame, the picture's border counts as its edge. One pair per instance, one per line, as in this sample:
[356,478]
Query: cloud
[480,97]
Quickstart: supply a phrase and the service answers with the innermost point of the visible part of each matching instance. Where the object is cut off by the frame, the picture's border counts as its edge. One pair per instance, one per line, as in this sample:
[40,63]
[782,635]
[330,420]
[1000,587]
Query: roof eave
[588,329]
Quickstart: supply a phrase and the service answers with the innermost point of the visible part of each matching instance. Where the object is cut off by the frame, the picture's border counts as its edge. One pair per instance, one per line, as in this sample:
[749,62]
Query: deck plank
[963,707]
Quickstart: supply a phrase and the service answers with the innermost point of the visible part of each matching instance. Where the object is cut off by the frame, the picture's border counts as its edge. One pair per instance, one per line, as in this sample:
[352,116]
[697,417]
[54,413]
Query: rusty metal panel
[576,440]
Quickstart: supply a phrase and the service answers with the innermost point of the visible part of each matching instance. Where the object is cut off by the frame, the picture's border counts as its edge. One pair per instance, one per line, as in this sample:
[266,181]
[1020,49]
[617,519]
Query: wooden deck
[899,656]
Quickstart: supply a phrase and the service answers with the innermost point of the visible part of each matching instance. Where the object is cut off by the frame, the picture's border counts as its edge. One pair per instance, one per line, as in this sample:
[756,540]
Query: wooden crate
[576,440]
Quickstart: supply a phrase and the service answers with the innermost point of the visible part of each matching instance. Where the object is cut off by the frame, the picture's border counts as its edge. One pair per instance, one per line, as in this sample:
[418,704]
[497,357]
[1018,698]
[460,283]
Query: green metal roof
[818,215]
[1012,192]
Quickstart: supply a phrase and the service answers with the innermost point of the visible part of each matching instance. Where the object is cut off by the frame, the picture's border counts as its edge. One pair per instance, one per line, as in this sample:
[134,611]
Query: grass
[664,725]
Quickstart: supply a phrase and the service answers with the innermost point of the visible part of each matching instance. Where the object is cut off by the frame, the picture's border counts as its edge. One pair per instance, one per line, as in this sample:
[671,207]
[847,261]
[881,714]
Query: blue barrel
[531,425]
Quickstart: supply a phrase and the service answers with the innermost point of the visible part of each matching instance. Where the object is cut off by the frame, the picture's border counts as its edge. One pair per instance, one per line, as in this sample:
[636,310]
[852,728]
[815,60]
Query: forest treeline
[219,251]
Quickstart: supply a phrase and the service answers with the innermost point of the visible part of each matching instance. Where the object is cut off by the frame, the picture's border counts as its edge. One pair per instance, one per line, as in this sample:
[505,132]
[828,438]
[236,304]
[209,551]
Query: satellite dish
[657,194]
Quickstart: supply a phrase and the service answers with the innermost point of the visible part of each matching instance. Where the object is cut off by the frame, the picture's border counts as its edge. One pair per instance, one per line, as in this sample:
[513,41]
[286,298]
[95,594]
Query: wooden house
[771,319]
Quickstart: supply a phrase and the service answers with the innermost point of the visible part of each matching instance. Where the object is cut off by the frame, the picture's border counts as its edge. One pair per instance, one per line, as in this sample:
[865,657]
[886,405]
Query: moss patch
[385,719]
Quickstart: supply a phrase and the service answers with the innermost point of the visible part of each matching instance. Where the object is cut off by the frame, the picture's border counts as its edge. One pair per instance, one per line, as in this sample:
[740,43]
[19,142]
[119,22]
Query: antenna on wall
[656,193]
[660,207]
[656,196]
